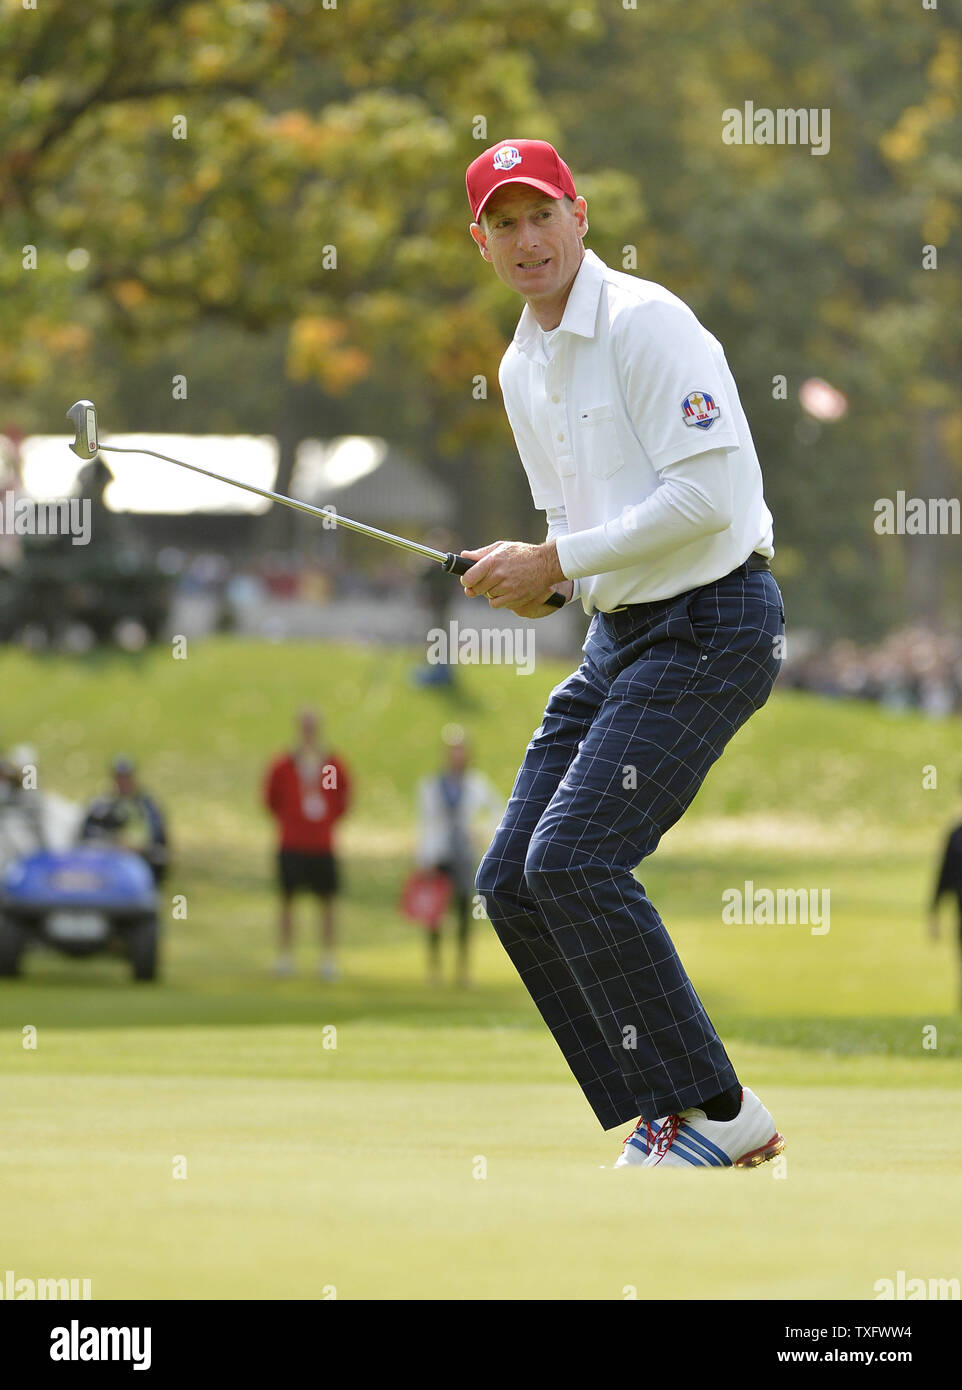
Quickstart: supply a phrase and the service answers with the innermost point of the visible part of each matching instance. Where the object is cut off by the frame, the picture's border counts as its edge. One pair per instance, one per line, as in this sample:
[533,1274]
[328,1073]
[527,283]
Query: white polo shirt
[628,423]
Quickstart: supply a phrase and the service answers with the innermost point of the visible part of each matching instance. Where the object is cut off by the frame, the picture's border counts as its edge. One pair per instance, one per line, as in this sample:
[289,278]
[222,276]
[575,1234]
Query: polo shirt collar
[581,311]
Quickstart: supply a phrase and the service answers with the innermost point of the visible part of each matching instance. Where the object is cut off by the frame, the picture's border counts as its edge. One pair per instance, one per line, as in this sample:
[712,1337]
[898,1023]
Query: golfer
[629,426]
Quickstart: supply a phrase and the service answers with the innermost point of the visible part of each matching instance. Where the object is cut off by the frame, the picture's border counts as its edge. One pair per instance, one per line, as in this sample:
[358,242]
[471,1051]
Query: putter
[86,445]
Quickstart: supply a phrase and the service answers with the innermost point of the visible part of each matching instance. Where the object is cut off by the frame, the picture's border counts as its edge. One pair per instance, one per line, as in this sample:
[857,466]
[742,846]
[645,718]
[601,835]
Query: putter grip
[458,564]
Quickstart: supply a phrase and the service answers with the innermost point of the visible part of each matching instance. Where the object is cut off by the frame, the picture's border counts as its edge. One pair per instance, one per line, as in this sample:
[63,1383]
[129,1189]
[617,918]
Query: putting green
[372,1179]
[440,1149]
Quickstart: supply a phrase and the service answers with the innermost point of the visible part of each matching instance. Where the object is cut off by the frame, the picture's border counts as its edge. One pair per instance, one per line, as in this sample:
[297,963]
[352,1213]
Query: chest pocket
[597,437]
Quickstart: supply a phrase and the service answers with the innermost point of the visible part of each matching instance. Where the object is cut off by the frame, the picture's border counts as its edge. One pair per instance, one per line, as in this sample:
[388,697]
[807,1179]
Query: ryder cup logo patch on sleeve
[699,409]
[506,158]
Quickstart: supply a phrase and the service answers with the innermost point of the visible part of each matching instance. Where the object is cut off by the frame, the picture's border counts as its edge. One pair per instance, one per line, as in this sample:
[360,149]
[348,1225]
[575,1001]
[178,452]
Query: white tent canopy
[366,477]
[357,471]
[151,485]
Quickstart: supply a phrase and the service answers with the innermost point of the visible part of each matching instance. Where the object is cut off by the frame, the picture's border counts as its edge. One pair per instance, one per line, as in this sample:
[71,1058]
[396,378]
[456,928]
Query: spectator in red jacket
[307,791]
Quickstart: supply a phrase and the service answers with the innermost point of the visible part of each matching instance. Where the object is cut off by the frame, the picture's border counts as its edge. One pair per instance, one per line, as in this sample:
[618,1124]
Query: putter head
[83,416]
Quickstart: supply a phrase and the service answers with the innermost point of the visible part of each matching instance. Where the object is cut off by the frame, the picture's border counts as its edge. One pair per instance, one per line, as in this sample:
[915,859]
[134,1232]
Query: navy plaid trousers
[625,744]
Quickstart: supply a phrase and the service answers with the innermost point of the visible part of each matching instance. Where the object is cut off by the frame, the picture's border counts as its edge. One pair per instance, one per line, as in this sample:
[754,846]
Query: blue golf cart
[82,901]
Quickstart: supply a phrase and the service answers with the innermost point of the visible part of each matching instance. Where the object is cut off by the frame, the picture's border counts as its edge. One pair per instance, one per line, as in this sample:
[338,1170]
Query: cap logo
[506,158]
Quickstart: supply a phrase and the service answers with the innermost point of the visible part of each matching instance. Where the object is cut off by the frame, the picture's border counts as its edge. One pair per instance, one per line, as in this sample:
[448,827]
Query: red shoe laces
[650,1133]
[665,1137]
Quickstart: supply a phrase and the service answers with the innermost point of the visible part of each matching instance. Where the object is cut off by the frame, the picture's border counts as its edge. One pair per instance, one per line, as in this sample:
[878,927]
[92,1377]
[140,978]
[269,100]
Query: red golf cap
[534,162]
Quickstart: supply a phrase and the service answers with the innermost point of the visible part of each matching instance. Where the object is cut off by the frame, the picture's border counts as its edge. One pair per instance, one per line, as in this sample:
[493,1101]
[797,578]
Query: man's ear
[477,231]
[581,212]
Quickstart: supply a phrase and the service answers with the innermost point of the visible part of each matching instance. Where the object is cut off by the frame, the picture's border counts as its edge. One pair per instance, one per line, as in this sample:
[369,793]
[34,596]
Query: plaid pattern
[625,744]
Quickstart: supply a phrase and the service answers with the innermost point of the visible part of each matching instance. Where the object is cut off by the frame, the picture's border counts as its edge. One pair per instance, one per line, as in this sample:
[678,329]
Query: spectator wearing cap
[128,816]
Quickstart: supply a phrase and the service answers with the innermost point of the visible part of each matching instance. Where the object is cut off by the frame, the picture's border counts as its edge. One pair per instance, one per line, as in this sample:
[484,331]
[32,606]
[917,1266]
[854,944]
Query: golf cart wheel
[13,938]
[142,939]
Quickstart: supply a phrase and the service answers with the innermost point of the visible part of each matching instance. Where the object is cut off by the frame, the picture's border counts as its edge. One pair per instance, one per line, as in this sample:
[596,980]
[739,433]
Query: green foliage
[310,128]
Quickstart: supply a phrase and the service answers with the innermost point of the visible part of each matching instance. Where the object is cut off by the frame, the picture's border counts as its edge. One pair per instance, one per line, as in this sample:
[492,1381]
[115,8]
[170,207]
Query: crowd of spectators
[280,575]
[910,668]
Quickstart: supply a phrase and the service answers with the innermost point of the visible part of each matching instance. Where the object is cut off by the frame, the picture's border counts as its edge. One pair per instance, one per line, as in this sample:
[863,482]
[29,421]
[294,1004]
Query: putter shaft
[83,415]
[326,514]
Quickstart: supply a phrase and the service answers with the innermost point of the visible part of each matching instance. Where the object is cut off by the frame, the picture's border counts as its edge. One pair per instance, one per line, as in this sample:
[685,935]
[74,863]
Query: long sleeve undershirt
[558,526]
[694,499]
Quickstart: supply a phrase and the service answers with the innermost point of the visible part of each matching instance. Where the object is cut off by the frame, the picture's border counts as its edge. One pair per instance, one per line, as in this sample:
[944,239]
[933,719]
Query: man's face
[533,241]
[308,726]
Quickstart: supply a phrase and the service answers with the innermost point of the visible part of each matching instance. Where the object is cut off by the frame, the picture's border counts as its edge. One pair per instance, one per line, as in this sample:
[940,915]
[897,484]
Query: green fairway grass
[380,1138]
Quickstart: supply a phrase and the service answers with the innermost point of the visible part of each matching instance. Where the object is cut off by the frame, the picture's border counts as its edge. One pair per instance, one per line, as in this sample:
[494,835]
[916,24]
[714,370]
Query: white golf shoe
[692,1140]
[637,1145]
